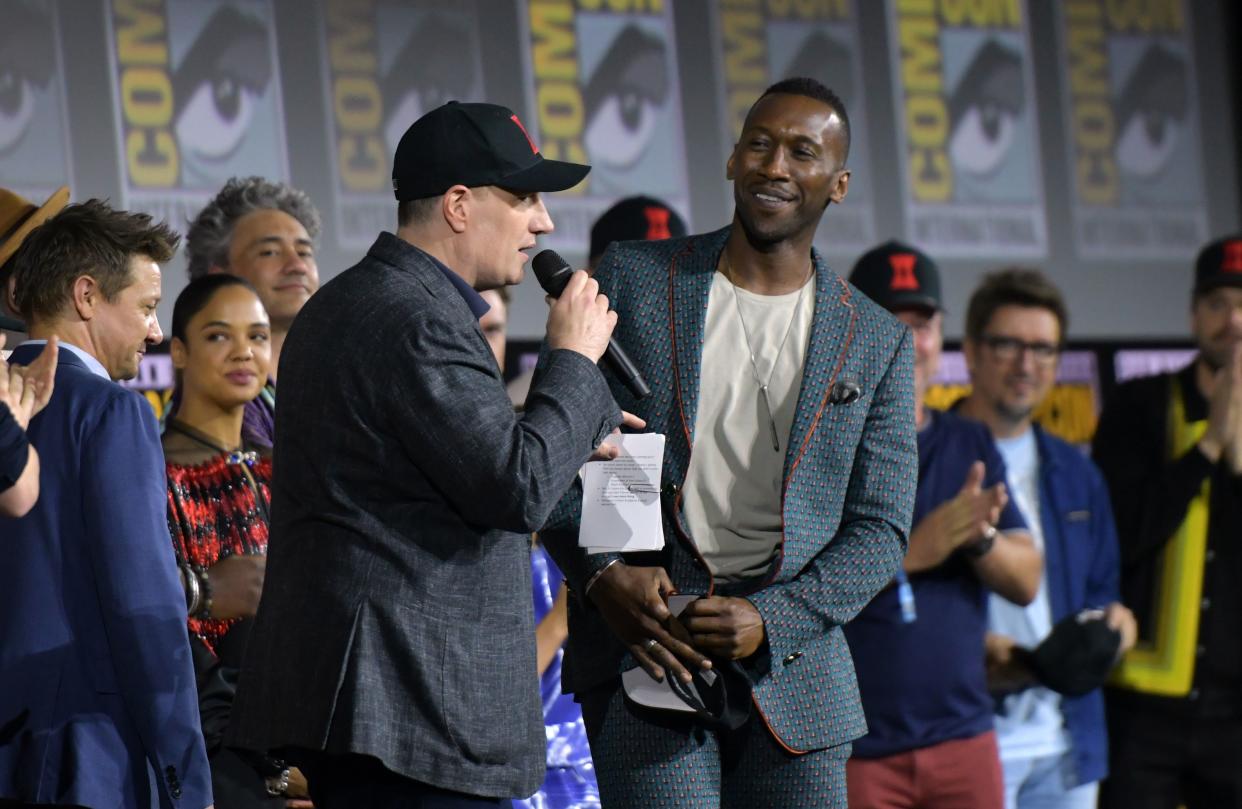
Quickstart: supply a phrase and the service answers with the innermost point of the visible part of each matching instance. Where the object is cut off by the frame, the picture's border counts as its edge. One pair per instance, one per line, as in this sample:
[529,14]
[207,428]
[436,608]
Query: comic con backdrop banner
[196,97]
[34,118]
[964,93]
[603,89]
[757,44]
[1128,79]
[1073,135]
[387,62]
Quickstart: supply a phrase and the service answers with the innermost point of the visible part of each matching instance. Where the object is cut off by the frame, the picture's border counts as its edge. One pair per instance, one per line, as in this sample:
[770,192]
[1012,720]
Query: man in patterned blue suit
[787,401]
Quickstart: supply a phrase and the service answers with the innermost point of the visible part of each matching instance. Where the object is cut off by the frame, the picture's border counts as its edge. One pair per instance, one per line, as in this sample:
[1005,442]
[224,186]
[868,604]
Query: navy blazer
[1083,568]
[98,704]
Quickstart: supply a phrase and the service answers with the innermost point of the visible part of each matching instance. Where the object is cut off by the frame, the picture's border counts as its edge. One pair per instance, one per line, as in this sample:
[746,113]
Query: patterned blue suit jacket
[850,476]
[98,704]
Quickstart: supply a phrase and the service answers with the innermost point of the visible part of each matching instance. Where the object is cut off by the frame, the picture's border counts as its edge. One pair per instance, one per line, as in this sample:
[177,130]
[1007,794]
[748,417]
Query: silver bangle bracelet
[595,576]
[193,591]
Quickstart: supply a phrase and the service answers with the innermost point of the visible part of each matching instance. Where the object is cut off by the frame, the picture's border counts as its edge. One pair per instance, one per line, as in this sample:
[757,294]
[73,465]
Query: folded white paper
[621,497]
[642,689]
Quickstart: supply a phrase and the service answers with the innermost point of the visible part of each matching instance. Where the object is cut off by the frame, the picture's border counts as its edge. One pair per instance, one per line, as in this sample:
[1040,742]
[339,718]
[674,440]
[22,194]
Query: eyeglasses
[1010,348]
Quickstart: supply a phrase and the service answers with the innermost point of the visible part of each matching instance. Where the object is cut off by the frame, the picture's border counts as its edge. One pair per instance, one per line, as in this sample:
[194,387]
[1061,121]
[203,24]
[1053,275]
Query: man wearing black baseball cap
[1170,447]
[409,489]
[918,645]
[639,218]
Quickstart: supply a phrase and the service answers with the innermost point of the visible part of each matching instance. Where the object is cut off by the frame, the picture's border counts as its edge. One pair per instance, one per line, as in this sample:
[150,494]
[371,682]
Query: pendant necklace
[243,458]
[750,348]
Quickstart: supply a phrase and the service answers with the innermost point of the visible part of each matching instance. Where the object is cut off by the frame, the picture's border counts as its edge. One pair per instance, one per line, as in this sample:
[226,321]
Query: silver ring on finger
[649,644]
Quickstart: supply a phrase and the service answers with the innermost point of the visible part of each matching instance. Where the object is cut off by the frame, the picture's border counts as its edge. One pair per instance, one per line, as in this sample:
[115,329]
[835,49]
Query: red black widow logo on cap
[657,223]
[903,272]
[1232,260]
[533,148]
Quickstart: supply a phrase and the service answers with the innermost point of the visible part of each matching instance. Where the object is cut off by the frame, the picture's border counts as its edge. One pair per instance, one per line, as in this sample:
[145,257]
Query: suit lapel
[832,331]
[689,282]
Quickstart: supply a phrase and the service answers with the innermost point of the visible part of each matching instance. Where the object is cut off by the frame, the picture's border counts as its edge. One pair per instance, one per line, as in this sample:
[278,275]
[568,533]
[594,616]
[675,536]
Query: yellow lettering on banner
[926,115]
[560,110]
[363,161]
[623,6]
[357,104]
[920,55]
[140,32]
[554,48]
[745,47]
[981,13]
[1092,117]
[1145,16]
[152,158]
[146,93]
[927,118]
[350,36]
[558,96]
[146,96]
[809,9]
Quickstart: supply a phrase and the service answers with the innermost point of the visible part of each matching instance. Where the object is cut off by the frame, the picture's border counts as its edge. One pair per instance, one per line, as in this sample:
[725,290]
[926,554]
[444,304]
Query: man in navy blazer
[98,706]
[1053,746]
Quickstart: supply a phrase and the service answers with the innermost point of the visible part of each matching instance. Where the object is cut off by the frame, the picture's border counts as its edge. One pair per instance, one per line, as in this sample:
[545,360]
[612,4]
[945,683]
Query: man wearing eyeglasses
[916,646]
[1053,746]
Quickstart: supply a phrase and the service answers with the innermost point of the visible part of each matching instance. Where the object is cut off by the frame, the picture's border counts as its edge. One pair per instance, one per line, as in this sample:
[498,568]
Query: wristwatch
[980,547]
[278,784]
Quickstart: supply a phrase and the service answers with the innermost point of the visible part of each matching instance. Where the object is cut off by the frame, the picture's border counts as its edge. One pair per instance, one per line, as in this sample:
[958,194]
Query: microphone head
[551,271]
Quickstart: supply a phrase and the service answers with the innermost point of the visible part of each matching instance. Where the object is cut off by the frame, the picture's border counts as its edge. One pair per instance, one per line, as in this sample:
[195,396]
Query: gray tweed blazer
[396,617]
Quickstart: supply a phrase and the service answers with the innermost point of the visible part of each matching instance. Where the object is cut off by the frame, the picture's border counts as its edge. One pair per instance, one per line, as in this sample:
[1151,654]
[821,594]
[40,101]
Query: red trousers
[957,774]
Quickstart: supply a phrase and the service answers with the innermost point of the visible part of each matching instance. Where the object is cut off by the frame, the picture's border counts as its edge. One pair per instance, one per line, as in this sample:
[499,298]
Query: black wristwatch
[278,784]
[980,547]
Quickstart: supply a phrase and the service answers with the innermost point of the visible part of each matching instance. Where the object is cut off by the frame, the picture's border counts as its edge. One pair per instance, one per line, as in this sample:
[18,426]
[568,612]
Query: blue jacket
[1082,565]
[98,701]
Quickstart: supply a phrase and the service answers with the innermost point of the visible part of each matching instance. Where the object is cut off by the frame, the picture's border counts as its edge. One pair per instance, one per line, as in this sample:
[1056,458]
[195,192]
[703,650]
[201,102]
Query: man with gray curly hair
[263,231]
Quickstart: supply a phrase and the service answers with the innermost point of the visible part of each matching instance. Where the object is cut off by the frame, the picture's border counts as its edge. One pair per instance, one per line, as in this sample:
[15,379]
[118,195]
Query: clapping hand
[27,390]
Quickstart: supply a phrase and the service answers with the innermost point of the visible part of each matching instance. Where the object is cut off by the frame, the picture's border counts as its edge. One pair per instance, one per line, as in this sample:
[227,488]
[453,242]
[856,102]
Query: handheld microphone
[553,274]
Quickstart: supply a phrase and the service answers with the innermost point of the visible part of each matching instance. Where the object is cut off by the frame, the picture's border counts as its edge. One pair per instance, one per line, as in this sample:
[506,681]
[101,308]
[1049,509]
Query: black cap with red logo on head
[474,145]
[897,276]
[635,219]
[1219,265]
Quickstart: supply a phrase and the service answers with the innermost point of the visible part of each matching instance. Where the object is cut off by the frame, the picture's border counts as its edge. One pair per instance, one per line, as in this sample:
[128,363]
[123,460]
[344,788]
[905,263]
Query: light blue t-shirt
[1029,723]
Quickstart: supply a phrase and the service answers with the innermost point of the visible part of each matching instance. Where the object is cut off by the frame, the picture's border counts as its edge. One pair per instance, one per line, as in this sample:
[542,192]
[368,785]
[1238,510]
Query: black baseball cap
[897,276]
[635,219]
[1219,265]
[474,145]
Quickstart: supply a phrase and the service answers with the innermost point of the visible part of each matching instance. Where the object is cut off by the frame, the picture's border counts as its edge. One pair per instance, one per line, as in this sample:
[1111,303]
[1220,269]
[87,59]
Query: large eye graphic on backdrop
[433,67]
[217,84]
[624,97]
[25,65]
[1150,111]
[984,109]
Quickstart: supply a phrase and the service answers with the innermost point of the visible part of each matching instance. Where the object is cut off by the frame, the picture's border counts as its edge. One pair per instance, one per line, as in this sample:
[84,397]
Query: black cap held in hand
[1078,655]
[474,145]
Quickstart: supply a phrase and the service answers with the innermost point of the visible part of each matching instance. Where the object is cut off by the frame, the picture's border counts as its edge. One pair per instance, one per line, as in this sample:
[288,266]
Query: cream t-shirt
[732,493]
